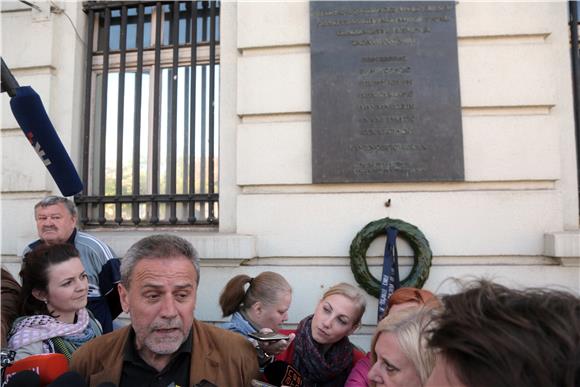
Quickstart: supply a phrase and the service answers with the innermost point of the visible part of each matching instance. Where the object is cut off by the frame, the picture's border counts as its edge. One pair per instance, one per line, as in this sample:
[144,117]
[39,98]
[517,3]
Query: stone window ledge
[209,245]
[565,245]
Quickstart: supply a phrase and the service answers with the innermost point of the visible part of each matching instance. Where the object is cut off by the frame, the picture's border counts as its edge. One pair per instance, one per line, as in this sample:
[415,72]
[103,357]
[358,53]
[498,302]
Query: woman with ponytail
[257,304]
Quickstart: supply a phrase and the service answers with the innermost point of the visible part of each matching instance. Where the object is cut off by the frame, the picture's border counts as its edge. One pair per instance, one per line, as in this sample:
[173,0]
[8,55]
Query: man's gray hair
[157,246]
[54,200]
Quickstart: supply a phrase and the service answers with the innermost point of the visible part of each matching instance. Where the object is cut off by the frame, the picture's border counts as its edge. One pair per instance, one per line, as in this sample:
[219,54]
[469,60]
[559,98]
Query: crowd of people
[72,288]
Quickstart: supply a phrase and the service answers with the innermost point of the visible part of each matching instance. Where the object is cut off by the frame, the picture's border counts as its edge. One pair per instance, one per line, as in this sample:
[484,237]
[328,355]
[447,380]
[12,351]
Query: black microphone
[26,378]
[280,373]
[205,383]
[69,379]
[259,383]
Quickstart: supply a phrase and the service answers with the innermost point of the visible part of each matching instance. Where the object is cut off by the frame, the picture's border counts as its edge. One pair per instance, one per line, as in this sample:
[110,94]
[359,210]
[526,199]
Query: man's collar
[71,239]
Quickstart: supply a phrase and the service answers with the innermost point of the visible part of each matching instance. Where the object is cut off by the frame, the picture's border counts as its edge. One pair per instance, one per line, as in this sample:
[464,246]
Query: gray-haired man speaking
[165,343]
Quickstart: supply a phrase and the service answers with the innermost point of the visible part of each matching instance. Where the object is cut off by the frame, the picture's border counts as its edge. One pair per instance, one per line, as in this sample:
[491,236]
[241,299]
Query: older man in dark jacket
[159,278]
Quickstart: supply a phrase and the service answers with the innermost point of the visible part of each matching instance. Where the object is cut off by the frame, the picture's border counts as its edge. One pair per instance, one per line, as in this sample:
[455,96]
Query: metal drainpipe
[573,7]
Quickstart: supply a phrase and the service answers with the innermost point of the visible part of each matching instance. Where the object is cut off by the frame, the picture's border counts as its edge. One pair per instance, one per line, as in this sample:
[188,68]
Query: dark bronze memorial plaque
[385,92]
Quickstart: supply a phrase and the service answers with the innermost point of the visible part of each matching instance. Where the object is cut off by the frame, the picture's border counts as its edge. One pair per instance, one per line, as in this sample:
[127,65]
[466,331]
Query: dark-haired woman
[53,303]
[257,304]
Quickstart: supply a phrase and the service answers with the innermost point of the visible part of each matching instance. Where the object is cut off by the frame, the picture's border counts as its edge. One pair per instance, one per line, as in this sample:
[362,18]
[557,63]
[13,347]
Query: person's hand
[274,348]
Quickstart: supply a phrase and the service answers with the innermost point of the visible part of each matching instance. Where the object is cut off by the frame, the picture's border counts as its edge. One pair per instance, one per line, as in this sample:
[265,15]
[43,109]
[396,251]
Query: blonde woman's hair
[352,293]
[267,288]
[410,327]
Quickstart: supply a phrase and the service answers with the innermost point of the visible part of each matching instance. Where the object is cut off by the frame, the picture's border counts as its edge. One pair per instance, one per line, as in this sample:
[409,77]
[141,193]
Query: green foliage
[417,241]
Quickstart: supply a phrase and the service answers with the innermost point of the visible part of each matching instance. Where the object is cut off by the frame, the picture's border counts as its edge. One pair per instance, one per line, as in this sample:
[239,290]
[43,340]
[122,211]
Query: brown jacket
[10,304]
[223,358]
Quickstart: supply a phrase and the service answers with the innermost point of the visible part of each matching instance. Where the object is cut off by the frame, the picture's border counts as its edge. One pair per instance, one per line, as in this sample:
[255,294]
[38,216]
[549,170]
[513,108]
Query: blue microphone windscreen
[31,116]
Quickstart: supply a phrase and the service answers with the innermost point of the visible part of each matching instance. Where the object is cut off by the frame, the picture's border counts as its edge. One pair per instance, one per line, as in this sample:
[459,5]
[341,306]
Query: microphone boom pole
[8,81]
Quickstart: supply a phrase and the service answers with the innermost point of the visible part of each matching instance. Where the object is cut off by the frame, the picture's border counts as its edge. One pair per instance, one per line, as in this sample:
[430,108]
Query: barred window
[150,130]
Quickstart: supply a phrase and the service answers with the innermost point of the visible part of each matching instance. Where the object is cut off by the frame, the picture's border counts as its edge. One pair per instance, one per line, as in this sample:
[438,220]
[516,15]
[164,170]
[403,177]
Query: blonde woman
[399,349]
[321,350]
[401,299]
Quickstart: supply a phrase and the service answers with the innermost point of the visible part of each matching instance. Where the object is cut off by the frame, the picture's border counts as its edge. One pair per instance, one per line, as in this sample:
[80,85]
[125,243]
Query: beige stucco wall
[42,51]
[515,218]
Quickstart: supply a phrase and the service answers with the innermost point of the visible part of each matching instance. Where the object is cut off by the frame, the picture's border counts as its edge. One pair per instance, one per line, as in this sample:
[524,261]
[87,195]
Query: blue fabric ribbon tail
[390,278]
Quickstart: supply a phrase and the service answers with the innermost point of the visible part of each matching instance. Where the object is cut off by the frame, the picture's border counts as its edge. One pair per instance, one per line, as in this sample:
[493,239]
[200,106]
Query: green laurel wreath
[362,240]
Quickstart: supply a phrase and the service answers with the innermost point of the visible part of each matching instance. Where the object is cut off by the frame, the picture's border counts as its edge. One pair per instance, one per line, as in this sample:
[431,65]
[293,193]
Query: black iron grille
[150,130]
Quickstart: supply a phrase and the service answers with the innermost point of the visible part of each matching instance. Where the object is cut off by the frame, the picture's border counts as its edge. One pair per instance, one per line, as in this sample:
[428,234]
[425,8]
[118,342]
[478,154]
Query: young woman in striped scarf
[53,303]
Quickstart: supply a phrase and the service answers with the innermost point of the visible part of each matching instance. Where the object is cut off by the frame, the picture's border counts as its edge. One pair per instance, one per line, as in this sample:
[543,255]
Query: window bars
[574,12]
[150,129]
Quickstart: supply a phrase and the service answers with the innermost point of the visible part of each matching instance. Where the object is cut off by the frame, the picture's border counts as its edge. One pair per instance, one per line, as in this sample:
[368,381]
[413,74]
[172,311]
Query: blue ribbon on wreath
[390,278]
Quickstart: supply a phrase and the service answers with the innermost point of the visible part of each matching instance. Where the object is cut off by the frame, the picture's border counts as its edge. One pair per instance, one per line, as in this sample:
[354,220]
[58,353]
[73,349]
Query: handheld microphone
[205,383]
[32,118]
[48,366]
[24,378]
[281,373]
[69,379]
[259,383]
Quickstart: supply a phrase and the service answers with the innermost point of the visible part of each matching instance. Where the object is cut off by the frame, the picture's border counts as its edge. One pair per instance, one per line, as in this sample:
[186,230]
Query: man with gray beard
[164,344]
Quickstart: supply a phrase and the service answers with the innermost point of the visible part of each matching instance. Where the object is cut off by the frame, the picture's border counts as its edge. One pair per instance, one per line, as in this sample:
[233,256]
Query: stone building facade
[514,218]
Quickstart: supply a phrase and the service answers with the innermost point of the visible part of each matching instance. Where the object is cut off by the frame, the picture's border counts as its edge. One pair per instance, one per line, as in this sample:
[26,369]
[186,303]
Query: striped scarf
[56,336]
